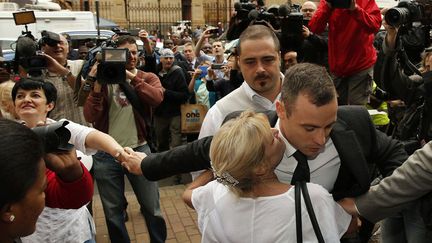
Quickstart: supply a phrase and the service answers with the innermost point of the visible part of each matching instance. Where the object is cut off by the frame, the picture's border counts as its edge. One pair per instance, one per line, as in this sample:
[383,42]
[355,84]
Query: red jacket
[351,35]
[150,93]
[68,195]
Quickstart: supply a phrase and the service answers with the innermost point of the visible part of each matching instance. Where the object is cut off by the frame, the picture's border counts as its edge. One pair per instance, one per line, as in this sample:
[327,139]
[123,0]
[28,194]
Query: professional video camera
[112,67]
[94,54]
[54,136]
[26,53]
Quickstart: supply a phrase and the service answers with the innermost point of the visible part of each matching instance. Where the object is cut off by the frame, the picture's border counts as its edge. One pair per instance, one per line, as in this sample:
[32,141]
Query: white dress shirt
[214,118]
[324,169]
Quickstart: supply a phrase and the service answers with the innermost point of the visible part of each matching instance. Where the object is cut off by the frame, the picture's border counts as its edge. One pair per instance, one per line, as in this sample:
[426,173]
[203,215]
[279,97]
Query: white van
[55,21]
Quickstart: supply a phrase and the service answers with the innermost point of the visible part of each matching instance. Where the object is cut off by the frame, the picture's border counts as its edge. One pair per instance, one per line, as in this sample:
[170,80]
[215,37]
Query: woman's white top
[224,217]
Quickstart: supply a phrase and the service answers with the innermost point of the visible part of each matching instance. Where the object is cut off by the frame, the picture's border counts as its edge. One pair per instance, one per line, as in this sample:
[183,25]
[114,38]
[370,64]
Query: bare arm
[104,142]
[200,42]
[143,35]
[201,180]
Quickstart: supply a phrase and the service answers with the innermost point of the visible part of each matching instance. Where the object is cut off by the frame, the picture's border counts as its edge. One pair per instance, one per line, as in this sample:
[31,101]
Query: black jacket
[360,146]
[176,93]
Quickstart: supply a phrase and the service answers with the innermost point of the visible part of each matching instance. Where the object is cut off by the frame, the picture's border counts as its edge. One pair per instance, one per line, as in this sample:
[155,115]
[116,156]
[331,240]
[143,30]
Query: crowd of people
[278,119]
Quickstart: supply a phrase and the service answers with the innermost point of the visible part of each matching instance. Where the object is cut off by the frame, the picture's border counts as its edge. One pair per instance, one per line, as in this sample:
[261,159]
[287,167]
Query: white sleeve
[78,136]
[331,217]
[212,122]
[202,200]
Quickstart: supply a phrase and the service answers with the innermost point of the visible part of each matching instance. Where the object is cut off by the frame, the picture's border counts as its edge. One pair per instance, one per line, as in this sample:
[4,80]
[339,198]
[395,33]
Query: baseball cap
[166,53]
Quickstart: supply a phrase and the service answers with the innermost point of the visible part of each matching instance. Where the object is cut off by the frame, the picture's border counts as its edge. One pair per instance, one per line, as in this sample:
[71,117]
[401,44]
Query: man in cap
[167,114]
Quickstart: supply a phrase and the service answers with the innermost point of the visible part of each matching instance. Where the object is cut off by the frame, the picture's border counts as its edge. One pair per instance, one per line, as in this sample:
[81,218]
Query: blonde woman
[247,202]
[6,103]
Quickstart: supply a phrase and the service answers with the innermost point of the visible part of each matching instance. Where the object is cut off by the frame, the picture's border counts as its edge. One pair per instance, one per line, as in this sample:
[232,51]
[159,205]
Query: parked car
[80,37]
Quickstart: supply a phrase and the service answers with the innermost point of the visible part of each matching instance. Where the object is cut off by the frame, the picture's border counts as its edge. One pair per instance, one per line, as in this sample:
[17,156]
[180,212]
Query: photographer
[110,109]
[62,73]
[351,53]
[414,129]
[315,47]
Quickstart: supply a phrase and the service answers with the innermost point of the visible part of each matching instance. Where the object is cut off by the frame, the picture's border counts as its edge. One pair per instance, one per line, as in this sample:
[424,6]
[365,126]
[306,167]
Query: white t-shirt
[224,217]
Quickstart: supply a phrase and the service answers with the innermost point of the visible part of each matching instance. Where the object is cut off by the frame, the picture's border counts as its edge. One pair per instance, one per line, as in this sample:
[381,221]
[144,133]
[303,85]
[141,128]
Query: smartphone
[214,32]
[217,66]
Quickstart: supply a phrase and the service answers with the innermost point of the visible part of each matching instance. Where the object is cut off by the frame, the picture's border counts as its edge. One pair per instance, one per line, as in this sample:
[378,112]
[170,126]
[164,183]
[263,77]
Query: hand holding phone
[217,66]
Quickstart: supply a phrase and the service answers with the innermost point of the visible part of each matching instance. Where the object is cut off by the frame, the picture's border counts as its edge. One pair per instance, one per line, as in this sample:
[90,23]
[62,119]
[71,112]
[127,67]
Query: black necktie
[301,172]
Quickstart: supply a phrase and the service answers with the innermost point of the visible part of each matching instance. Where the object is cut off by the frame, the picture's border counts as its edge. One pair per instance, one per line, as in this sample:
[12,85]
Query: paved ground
[180,219]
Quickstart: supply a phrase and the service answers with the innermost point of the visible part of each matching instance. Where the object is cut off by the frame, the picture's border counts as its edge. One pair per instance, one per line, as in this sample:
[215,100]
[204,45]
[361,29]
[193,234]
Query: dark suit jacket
[360,146]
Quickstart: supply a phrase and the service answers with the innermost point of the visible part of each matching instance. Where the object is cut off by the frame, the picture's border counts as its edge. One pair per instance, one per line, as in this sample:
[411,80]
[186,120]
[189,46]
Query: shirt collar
[289,149]
[251,93]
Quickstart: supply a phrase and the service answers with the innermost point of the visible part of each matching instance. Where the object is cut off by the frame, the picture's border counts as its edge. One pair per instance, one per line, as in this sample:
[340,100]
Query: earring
[12,218]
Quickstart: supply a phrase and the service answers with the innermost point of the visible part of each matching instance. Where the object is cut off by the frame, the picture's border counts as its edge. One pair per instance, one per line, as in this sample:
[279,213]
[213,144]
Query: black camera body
[112,67]
[340,3]
[94,53]
[406,12]
[28,53]
[28,56]
[55,137]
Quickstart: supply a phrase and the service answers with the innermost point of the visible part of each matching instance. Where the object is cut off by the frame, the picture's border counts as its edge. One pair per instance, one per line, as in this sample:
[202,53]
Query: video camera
[27,53]
[112,66]
[55,137]
[286,20]
[94,54]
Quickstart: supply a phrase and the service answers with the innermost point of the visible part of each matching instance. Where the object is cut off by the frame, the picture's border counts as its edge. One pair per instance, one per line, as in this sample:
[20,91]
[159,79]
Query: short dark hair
[311,79]
[20,155]
[31,84]
[123,39]
[255,32]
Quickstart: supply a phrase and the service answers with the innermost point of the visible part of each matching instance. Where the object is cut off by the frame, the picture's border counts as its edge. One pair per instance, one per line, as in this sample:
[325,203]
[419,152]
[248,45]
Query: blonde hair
[6,102]
[239,147]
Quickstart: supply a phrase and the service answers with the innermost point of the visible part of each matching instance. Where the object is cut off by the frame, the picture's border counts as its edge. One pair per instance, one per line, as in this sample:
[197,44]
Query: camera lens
[397,16]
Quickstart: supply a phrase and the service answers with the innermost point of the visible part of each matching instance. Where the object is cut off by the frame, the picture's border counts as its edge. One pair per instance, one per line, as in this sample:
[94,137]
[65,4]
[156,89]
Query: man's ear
[280,109]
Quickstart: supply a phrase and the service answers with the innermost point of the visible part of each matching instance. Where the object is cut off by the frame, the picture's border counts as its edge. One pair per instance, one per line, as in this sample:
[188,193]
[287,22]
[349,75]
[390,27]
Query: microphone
[25,47]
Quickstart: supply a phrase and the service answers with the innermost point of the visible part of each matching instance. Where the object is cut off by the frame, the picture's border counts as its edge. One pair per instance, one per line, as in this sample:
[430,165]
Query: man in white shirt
[259,62]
